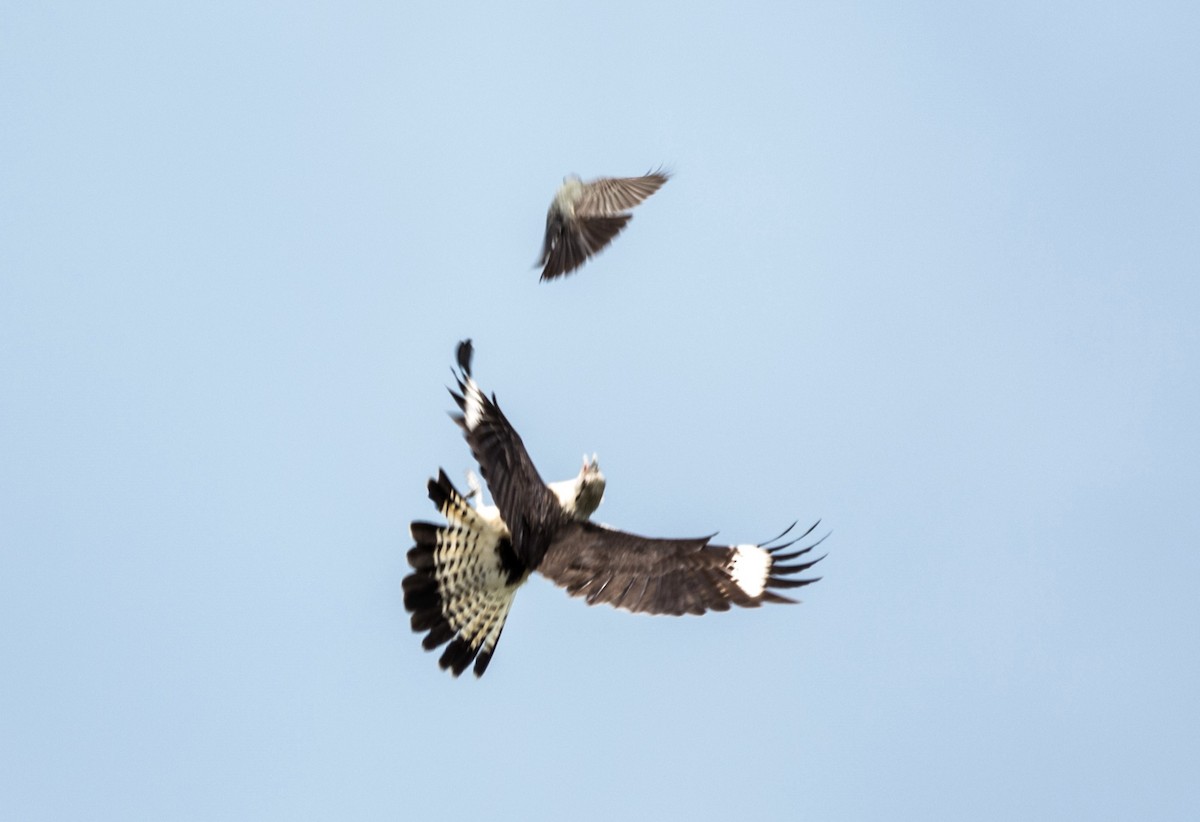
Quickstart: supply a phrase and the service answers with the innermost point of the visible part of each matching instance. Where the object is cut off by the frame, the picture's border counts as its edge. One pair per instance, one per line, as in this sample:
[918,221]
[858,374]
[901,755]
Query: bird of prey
[466,572]
[585,217]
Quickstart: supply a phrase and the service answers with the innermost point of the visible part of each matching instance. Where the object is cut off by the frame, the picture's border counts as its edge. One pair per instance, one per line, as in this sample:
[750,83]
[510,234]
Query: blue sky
[927,273]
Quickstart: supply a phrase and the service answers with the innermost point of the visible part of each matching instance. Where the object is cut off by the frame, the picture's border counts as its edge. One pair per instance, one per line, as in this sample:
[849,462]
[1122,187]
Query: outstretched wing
[527,506]
[570,242]
[612,195]
[670,576]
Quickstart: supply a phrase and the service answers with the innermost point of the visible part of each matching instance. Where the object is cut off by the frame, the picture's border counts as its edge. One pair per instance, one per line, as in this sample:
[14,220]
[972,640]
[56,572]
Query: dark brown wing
[669,576]
[529,509]
[569,243]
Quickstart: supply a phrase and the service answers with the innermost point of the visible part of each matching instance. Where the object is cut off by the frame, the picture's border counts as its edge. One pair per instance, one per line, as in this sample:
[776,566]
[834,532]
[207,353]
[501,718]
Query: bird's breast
[568,196]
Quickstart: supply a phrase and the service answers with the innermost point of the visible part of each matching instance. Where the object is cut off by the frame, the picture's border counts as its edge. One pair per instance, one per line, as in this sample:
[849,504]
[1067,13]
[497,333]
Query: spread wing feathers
[612,195]
[527,506]
[671,576]
[464,578]
[569,243]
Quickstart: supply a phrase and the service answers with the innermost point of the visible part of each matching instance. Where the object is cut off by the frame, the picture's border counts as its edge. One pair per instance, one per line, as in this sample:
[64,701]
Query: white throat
[581,496]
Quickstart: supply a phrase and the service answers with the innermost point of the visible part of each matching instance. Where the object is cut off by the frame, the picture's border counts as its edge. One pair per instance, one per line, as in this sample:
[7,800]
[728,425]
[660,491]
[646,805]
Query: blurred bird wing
[612,195]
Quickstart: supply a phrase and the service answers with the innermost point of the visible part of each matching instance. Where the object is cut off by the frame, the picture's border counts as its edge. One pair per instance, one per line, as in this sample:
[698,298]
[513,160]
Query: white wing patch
[473,413]
[749,567]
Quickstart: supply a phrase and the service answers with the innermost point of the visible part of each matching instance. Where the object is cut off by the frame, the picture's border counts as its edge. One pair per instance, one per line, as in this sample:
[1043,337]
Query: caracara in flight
[466,572]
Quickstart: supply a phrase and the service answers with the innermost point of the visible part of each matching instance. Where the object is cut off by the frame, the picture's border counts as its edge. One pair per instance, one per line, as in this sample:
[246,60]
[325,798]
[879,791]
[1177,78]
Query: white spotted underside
[476,594]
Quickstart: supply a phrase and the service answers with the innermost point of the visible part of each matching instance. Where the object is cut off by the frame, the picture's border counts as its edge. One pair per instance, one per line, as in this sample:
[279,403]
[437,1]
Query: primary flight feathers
[466,572]
[585,217]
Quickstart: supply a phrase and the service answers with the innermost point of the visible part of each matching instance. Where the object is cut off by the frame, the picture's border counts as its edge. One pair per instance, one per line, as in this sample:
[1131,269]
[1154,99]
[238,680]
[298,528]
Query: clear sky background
[926,273]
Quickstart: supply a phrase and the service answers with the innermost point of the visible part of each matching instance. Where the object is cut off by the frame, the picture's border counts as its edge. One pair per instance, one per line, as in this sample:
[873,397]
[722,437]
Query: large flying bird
[585,217]
[466,572]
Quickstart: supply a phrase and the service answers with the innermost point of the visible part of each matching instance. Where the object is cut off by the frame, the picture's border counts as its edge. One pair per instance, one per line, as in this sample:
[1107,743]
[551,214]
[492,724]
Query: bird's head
[591,487]
[591,469]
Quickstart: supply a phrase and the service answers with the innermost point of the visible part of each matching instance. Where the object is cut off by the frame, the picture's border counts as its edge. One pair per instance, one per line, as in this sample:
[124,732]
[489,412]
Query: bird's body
[466,573]
[585,217]
[568,194]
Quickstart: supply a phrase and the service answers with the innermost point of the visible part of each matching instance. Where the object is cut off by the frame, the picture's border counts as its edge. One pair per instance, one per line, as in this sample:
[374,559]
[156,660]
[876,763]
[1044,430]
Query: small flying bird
[466,572]
[585,217]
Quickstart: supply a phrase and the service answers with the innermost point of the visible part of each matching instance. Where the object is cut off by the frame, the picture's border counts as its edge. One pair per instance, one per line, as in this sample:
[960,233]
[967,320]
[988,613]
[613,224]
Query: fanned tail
[465,575]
